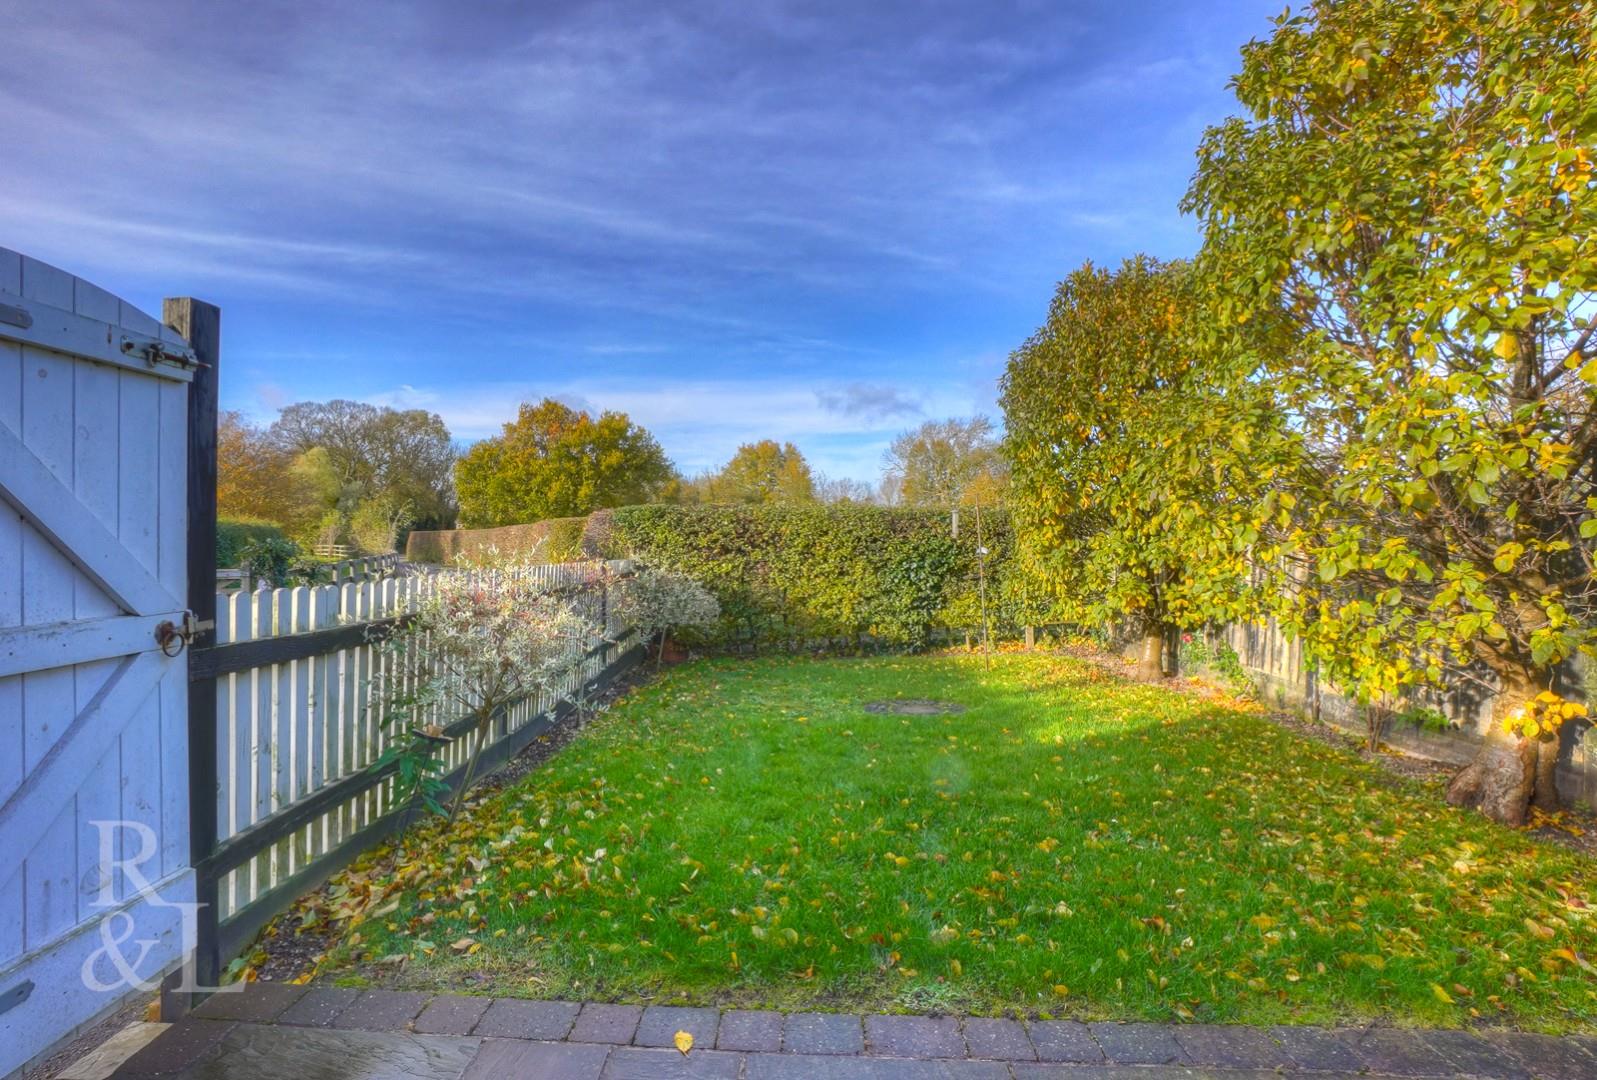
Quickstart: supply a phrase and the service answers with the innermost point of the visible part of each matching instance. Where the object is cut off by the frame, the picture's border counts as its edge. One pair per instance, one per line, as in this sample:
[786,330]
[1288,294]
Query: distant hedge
[233,534]
[841,576]
[556,540]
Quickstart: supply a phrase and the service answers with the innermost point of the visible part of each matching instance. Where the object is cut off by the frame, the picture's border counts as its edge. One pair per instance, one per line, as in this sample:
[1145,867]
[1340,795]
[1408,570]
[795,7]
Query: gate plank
[38,648]
[53,782]
[51,508]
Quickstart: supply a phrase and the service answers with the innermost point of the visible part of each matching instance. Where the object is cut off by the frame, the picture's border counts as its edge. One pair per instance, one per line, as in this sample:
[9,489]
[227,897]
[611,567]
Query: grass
[743,832]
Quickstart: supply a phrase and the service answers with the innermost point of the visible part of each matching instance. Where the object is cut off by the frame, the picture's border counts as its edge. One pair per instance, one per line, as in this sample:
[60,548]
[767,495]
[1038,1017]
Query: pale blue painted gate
[93,714]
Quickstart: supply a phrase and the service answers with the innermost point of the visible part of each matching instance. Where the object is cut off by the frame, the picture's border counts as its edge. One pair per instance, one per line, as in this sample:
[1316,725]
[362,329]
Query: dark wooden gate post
[201,324]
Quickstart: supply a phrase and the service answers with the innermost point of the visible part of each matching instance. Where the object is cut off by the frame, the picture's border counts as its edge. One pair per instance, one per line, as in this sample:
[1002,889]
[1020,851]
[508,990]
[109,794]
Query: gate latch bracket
[172,638]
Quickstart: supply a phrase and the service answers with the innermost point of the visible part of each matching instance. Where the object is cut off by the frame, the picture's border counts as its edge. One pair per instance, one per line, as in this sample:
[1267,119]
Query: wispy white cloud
[733,218]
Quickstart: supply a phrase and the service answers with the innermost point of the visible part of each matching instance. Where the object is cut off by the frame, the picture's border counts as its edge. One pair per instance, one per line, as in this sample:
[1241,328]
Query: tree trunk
[1150,660]
[1502,779]
[1545,795]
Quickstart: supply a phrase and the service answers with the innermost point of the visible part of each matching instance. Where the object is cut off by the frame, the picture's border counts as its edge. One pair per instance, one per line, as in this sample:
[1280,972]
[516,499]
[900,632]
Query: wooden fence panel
[311,726]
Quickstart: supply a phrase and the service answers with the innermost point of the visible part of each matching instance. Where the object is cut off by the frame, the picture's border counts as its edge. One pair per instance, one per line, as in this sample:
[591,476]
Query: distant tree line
[338,472]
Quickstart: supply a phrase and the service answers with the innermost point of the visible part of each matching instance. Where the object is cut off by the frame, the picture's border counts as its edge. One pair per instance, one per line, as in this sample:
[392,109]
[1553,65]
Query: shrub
[654,601]
[232,534]
[828,575]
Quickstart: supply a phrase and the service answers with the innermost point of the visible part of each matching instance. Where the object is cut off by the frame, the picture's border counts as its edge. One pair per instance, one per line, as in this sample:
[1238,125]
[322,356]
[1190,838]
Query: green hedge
[234,534]
[552,541]
[830,575]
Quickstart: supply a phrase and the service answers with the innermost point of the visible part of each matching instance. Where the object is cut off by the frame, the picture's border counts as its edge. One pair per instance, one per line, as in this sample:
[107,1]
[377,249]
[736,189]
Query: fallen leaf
[683,1041]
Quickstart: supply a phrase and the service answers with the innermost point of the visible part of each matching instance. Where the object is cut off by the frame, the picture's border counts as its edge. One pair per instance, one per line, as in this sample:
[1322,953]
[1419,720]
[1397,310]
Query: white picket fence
[287,730]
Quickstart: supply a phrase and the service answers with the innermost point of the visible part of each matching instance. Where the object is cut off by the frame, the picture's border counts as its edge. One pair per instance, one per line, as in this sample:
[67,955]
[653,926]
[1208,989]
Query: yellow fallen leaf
[1441,995]
[683,1041]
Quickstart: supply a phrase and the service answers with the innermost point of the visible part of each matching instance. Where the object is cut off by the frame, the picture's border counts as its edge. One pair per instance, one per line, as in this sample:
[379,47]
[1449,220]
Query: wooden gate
[94,743]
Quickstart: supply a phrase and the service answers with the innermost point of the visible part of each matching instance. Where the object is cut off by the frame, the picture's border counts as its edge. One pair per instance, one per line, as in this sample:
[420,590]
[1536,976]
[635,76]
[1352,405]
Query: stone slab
[914,1036]
[823,1033]
[261,1052]
[1400,1053]
[451,1014]
[1002,1040]
[319,1007]
[1065,1041]
[750,1029]
[512,1018]
[179,1047]
[833,1067]
[660,1023]
[105,1059]
[598,1023]
[1229,1046]
[512,1059]
[1319,1048]
[648,1063]
[1137,1044]
[1547,1056]
[382,1010]
[258,1003]
[1474,1056]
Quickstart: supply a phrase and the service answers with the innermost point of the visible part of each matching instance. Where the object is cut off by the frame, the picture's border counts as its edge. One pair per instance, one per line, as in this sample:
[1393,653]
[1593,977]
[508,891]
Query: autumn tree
[399,461]
[253,478]
[1112,418]
[555,461]
[761,472]
[944,463]
[1413,183]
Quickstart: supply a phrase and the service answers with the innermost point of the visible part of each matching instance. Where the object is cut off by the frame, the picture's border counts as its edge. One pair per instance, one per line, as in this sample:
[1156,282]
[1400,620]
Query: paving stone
[660,1024]
[1137,1044]
[1548,1056]
[512,1018]
[1474,1056]
[914,1036]
[606,1023]
[508,1059]
[640,1063]
[1026,1070]
[178,1047]
[1228,1045]
[1319,1048]
[259,1003]
[264,1052]
[382,1010]
[1400,1053]
[832,1067]
[822,1033]
[750,1029]
[1065,1040]
[1004,1040]
[319,1007]
[451,1014]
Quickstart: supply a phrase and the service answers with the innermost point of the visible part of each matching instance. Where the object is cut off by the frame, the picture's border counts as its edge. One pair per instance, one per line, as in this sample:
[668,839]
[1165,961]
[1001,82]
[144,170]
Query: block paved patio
[311,1033]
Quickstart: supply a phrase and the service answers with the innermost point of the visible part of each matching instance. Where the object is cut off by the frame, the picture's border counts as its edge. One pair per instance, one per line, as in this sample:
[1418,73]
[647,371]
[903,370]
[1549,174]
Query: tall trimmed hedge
[233,535]
[830,575]
[552,541]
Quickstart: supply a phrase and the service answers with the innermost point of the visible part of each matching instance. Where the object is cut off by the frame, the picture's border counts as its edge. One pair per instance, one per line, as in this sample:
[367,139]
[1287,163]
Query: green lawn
[741,831]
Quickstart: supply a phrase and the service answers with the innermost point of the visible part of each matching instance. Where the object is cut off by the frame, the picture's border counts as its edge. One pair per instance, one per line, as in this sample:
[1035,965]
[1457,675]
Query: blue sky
[819,221]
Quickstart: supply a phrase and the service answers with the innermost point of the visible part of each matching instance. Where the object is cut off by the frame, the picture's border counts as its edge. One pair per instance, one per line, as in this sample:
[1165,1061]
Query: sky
[818,222]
